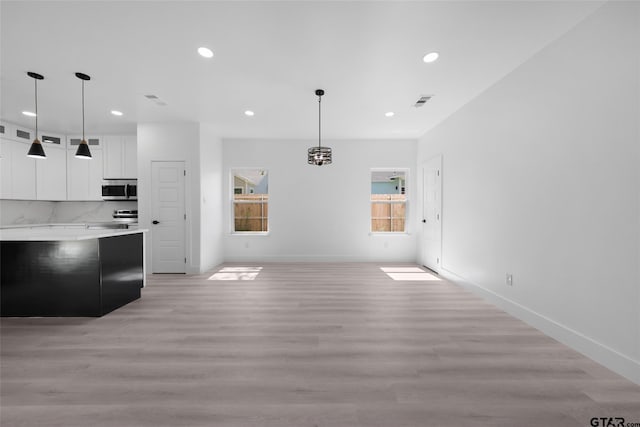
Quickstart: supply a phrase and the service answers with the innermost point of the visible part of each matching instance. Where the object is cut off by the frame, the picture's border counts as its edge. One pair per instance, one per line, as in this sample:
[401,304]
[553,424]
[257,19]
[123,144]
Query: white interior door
[432,213]
[168,217]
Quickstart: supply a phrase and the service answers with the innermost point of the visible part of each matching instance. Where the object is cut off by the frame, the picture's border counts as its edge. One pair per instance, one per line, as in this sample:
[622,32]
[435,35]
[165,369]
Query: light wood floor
[308,345]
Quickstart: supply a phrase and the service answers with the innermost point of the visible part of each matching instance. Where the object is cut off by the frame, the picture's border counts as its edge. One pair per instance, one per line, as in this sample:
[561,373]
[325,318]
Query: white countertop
[66,225]
[60,233]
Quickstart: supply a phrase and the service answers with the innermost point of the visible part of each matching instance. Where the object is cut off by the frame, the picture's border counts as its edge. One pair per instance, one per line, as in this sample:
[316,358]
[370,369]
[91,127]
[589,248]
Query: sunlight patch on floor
[409,273]
[236,273]
[402,269]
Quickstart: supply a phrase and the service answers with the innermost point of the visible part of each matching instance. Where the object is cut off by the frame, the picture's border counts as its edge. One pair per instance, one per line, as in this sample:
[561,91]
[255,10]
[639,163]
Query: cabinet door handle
[154,222]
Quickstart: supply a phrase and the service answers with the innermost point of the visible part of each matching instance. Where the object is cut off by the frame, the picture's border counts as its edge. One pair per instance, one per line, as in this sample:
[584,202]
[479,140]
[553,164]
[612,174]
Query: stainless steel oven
[120,189]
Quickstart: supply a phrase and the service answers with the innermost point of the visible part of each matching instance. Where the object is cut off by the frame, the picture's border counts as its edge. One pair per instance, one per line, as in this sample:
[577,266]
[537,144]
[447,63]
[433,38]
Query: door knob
[424,220]
[155,222]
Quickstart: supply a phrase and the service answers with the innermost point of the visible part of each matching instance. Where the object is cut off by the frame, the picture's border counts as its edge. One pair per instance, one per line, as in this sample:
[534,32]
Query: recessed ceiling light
[116,112]
[430,57]
[249,113]
[389,113]
[29,113]
[206,52]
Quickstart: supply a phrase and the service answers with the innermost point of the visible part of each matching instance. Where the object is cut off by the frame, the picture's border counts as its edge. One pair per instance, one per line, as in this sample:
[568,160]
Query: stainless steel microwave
[120,189]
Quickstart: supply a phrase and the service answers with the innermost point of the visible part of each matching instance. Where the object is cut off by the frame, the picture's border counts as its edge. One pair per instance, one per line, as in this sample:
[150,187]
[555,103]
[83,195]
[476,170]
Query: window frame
[232,202]
[407,194]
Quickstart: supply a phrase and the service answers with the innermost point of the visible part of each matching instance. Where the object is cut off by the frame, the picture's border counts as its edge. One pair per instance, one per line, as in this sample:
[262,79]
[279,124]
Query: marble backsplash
[15,212]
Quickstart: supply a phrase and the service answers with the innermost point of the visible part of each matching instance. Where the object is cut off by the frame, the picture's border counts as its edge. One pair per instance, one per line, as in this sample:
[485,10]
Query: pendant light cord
[319,121]
[35,81]
[83,110]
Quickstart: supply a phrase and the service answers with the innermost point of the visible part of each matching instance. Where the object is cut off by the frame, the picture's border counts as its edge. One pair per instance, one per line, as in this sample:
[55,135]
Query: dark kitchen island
[69,272]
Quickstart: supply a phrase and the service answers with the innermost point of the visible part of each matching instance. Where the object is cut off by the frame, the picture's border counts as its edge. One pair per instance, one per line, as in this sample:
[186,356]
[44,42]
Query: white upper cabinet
[113,157]
[95,175]
[77,177]
[51,174]
[5,168]
[61,176]
[32,179]
[84,176]
[5,161]
[120,157]
[23,171]
[131,156]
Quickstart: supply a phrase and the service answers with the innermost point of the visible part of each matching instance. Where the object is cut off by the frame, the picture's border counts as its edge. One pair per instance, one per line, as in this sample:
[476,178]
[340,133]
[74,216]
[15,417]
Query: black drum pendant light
[319,155]
[83,149]
[36,151]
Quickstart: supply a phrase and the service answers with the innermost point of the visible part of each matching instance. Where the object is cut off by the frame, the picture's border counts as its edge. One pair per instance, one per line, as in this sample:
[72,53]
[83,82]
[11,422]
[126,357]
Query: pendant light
[83,149]
[319,155]
[36,151]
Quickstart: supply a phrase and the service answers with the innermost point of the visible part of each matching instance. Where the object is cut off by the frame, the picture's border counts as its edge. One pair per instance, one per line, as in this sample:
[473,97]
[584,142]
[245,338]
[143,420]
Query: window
[388,201]
[250,200]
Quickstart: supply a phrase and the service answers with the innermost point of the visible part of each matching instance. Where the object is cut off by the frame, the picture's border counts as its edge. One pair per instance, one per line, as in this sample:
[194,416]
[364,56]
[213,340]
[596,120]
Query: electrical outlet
[509,279]
[246,245]
[386,244]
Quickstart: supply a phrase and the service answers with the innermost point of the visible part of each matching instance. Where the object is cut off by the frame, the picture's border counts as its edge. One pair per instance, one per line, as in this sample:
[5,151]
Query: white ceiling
[269,57]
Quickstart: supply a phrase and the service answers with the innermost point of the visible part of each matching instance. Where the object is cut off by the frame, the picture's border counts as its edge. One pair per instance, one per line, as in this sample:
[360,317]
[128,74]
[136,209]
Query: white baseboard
[315,258]
[606,356]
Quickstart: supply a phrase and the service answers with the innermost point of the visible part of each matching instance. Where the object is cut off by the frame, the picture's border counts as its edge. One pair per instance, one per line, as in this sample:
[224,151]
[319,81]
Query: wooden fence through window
[251,212]
[388,212]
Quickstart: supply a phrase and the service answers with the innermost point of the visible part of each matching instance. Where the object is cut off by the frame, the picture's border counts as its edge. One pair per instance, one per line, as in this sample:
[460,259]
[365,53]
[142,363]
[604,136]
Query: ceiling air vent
[90,141]
[423,100]
[23,134]
[50,139]
[155,99]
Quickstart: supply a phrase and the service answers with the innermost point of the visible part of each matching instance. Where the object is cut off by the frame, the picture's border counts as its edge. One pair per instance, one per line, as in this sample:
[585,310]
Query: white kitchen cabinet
[113,155]
[5,168]
[58,177]
[23,171]
[84,176]
[95,176]
[130,156]
[20,173]
[120,157]
[51,174]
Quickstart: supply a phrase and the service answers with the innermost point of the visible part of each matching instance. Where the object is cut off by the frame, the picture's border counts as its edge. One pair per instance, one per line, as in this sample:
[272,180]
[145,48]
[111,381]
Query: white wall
[319,213]
[211,210]
[541,180]
[171,142]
